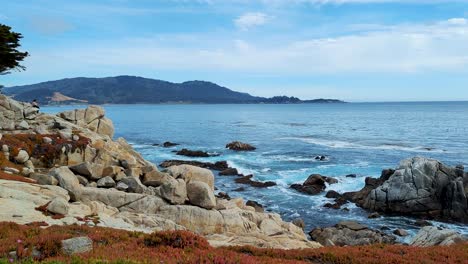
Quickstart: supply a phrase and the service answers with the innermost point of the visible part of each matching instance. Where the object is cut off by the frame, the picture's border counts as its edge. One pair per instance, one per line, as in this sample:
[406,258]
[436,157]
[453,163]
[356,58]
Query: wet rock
[422,223]
[240,189]
[314,184]
[332,194]
[218,166]
[229,172]
[349,233]
[258,207]
[169,144]
[418,187]
[321,158]
[401,232]
[351,176]
[433,236]
[374,215]
[248,180]
[223,195]
[194,153]
[77,245]
[239,146]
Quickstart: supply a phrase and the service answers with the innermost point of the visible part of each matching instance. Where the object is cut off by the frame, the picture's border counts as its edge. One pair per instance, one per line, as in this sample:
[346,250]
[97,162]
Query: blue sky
[355,50]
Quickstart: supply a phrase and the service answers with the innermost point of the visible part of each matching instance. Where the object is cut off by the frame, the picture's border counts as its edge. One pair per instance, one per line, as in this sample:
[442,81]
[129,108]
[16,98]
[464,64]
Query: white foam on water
[351,145]
[241,169]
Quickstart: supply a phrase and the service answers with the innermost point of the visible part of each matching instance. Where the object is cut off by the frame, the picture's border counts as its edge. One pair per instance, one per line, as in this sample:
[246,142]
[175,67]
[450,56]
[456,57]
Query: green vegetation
[10,57]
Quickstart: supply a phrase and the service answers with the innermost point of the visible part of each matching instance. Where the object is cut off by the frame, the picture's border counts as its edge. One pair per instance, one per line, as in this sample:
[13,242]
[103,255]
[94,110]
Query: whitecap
[352,145]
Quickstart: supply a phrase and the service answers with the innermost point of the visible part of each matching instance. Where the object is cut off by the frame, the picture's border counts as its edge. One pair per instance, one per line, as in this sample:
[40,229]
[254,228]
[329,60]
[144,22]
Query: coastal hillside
[138,90]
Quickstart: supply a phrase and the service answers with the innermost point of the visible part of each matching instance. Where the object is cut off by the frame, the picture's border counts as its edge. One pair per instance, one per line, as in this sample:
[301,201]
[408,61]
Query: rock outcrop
[433,236]
[348,233]
[80,175]
[418,187]
[314,184]
[239,146]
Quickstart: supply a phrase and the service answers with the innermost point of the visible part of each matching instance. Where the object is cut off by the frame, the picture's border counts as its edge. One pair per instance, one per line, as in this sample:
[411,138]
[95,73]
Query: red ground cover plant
[35,146]
[14,177]
[117,246]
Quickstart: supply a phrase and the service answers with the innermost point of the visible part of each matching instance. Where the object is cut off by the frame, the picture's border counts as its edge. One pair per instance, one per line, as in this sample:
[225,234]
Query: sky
[354,50]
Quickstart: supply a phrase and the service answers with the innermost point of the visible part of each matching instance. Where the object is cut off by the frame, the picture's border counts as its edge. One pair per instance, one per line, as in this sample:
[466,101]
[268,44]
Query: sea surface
[357,138]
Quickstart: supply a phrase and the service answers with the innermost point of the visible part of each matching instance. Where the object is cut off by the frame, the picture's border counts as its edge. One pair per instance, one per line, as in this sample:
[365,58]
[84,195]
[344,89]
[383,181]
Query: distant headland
[139,90]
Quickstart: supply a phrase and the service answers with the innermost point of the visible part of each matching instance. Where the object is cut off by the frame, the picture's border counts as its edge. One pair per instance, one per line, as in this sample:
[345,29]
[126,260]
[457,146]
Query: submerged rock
[248,180]
[169,144]
[194,153]
[349,233]
[229,172]
[239,146]
[218,166]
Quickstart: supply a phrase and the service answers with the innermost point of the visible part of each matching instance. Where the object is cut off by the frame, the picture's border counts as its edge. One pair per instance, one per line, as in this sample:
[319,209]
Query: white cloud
[251,20]
[398,49]
[458,21]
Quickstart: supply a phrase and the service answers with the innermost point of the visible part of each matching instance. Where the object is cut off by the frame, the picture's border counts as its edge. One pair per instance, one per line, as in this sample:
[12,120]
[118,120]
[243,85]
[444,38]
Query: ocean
[357,138]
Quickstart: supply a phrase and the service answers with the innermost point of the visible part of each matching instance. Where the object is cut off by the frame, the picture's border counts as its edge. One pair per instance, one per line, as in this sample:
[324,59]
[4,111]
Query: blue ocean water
[358,138]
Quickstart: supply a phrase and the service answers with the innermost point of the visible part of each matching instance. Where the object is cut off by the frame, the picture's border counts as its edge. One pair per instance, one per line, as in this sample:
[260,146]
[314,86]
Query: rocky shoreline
[66,169]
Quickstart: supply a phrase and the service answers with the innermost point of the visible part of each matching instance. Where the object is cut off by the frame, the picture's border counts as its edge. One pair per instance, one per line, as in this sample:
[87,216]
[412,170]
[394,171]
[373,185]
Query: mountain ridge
[126,89]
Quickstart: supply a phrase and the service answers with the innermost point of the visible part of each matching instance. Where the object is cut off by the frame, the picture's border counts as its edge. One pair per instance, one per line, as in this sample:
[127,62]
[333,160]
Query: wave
[352,145]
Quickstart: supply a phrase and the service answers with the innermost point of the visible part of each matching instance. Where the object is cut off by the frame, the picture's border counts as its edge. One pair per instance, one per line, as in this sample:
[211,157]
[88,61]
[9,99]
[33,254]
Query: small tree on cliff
[10,56]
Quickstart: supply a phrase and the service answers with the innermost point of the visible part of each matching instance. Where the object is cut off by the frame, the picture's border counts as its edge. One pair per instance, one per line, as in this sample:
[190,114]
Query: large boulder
[191,173]
[58,206]
[156,178]
[133,184]
[348,233]
[92,171]
[418,187]
[433,236]
[200,194]
[174,191]
[77,245]
[67,180]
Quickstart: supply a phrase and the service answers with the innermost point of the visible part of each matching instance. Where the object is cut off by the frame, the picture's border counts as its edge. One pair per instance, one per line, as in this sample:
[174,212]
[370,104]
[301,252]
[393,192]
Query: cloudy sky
[356,50]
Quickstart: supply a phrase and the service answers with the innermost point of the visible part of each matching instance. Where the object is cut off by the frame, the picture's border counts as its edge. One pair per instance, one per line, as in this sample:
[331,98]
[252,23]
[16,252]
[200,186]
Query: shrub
[176,239]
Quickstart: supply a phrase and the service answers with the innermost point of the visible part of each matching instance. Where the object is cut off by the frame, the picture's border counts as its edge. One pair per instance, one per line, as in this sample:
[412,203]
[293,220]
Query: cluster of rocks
[419,187]
[349,233]
[314,184]
[111,181]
